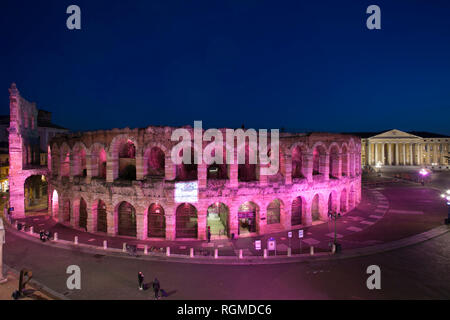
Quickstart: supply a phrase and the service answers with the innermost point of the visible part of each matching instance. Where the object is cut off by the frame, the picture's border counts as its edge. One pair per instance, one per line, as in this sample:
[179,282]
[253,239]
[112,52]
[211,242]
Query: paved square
[310,241]
[367,222]
[331,235]
[355,229]
[375,216]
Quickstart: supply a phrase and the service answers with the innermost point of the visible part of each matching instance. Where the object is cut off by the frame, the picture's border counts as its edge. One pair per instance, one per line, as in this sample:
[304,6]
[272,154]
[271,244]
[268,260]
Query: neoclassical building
[398,148]
[123,182]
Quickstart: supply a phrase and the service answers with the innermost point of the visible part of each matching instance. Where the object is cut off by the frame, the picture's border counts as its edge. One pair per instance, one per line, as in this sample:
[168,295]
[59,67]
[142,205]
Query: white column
[376,152]
[390,152]
[396,154]
[382,154]
[404,153]
[411,158]
[369,154]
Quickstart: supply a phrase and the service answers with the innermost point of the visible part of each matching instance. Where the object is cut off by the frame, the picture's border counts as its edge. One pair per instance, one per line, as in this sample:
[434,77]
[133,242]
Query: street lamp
[424,173]
[446,196]
[334,216]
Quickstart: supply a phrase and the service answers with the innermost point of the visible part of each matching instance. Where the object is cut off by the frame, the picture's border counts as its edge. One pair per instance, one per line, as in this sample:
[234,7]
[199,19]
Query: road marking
[367,222]
[355,218]
[375,216]
[90,240]
[310,241]
[182,247]
[380,211]
[356,229]
[405,212]
[331,235]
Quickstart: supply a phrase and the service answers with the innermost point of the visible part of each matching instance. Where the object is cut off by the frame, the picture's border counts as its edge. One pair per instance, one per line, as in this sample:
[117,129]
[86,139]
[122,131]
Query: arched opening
[155,160]
[82,222]
[247,215]
[297,162]
[344,207]
[127,160]
[345,166]
[274,212]
[66,214]
[65,162]
[186,221]
[217,219]
[102,218]
[319,159]
[126,219]
[55,204]
[156,221]
[334,162]
[351,199]
[35,197]
[218,171]
[187,171]
[98,162]
[315,208]
[247,170]
[332,202]
[79,161]
[297,211]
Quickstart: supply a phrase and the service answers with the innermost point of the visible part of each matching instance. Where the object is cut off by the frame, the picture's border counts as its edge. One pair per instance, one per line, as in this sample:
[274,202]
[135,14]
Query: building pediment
[395,134]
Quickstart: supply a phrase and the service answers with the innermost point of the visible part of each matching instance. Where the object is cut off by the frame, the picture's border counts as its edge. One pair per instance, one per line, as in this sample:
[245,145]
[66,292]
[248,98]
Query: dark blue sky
[268,64]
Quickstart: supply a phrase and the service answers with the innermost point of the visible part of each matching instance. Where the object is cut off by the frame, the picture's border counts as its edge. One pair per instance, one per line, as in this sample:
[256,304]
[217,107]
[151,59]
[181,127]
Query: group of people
[155,285]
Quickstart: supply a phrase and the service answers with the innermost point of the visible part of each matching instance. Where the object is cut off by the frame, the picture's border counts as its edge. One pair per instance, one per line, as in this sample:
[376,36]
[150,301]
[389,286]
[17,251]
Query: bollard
[31,229]
[240,254]
[192,253]
[55,236]
[311,250]
[15,224]
[105,244]
[168,251]
[265,253]
[289,253]
[124,247]
[75,240]
[216,253]
[333,248]
[145,249]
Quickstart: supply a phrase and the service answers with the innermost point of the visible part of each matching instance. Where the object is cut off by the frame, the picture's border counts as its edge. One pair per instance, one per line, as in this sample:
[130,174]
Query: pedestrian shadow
[168,294]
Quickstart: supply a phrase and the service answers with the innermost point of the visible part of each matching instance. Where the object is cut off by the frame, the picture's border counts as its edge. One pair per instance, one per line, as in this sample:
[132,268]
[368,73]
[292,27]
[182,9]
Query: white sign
[186,192]
[290,234]
[271,244]
[257,244]
[300,234]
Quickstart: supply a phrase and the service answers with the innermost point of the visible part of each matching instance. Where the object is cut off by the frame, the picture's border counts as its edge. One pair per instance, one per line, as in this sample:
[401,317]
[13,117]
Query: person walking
[156,288]
[209,234]
[141,280]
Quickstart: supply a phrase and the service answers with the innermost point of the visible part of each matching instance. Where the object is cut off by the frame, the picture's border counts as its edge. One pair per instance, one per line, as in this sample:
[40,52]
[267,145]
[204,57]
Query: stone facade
[319,172]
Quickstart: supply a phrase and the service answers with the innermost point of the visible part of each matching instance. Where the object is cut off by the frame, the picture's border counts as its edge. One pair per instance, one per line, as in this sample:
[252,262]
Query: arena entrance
[82,222]
[315,208]
[127,219]
[218,220]
[156,221]
[296,211]
[247,218]
[102,219]
[35,199]
[186,221]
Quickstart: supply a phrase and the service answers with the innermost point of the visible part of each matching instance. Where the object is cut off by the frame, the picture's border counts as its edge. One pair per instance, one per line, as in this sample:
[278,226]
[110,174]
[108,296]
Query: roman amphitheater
[122,182]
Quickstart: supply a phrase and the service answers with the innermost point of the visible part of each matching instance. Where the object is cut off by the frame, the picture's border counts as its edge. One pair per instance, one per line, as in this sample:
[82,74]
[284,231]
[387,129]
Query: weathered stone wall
[337,176]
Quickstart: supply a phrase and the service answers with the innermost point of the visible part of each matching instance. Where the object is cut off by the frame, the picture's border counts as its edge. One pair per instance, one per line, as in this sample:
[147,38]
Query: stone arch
[298,211]
[352,197]
[98,160]
[122,151]
[317,207]
[82,214]
[65,160]
[248,217]
[320,157]
[275,211]
[218,219]
[248,171]
[100,216]
[334,152]
[187,171]
[55,203]
[186,221]
[343,201]
[298,152]
[79,159]
[333,202]
[345,160]
[154,160]
[35,194]
[156,221]
[125,215]
[218,171]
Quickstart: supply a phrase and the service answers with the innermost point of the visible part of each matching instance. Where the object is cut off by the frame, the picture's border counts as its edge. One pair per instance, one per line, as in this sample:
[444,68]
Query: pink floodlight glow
[424,172]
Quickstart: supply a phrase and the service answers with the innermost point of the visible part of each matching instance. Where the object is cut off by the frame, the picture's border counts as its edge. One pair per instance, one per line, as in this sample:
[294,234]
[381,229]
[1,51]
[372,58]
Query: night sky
[308,66]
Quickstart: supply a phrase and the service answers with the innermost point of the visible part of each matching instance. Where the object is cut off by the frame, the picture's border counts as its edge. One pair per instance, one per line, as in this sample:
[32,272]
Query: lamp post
[446,196]
[335,215]
[423,173]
